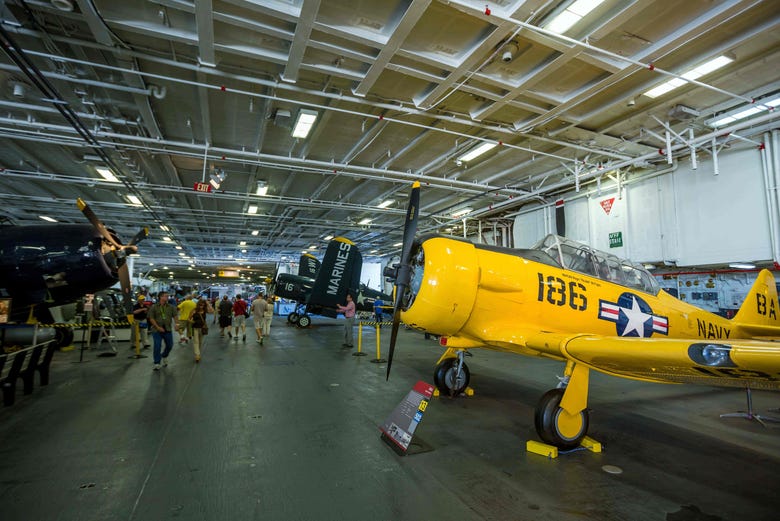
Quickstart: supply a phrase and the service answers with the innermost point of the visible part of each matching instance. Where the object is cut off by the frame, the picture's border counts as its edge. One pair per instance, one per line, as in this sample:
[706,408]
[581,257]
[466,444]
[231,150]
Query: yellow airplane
[566,301]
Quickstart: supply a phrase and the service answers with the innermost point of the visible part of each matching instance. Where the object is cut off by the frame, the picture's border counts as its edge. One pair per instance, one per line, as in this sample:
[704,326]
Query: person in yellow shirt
[185,325]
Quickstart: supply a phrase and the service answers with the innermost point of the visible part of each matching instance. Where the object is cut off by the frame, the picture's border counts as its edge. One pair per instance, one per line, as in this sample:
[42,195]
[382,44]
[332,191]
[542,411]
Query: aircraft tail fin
[760,312]
[308,266]
[340,272]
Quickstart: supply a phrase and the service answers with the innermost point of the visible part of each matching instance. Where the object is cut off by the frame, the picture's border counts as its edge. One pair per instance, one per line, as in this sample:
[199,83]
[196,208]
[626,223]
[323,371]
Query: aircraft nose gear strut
[452,375]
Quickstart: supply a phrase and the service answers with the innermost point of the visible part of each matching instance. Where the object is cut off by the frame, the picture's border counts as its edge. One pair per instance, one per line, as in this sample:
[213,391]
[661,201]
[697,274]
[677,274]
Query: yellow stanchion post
[359,351]
[378,359]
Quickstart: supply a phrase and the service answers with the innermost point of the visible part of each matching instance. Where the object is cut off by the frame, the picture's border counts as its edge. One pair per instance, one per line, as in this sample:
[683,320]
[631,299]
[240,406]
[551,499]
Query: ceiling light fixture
[47,218]
[328,237]
[365,221]
[572,14]
[463,211]
[742,265]
[304,123]
[385,204]
[478,151]
[262,188]
[242,243]
[252,209]
[742,113]
[396,245]
[134,200]
[167,239]
[693,74]
[255,232]
[107,174]
[217,178]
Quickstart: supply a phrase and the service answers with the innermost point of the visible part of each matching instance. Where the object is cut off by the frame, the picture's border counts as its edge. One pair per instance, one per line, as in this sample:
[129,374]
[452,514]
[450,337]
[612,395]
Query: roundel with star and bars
[633,317]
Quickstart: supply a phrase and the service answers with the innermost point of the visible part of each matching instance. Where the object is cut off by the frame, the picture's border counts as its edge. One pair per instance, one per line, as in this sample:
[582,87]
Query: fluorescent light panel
[463,211]
[47,218]
[475,152]
[303,123]
[364,221]
[107,174]
[745,113]
[693,74]
[566,19]
[134,200]
[252,209]
[262,188]
[385,203]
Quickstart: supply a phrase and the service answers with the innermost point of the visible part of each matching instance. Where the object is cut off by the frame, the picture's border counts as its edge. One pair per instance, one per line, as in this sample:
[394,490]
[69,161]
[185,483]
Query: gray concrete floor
[289,431]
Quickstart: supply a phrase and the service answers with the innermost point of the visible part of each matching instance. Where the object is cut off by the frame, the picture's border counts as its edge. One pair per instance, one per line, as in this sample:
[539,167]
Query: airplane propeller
[119,251]
[402,272]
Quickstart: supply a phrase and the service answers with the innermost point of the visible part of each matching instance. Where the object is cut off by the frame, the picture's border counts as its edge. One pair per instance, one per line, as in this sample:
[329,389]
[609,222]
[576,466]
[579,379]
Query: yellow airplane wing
[737,363]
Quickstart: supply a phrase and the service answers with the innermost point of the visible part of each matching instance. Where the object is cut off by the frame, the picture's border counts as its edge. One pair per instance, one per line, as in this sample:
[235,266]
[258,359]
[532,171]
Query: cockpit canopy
[575,256]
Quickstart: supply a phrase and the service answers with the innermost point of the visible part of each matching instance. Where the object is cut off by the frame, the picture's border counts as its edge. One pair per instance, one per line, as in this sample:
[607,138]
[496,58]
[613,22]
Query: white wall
[371,275]
[692,217]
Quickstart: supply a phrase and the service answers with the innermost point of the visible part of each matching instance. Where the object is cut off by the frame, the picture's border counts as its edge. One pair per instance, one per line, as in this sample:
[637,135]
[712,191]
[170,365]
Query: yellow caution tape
[86,324]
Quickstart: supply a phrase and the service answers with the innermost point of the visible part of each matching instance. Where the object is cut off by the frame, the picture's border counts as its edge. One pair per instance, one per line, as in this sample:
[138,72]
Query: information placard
[402,422]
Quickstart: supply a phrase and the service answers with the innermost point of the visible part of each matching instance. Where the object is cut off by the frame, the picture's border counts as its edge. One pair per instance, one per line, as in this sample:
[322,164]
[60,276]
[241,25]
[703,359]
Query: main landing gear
[561,417]
[299,317]
[556,426]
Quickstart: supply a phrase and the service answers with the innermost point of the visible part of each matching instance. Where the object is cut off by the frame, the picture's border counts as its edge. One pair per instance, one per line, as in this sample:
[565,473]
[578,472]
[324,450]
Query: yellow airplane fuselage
[478,297]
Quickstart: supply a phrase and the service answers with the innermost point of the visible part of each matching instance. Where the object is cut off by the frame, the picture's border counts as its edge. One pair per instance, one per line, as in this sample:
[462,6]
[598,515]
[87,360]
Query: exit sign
[202,187]
[616,240]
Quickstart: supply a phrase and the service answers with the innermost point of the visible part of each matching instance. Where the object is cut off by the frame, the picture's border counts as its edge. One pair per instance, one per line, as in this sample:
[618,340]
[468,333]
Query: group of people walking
[233,314]
[191,321]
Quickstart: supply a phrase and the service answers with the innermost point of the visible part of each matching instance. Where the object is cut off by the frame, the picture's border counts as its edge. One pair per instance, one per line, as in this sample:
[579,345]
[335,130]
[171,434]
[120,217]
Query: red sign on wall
[606,204]
[202,187]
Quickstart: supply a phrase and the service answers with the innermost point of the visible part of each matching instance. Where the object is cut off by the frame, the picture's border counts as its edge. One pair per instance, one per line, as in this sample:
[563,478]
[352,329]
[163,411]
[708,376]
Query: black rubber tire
[304,321]
[546,421]
[292,318]
[63,337]
[444,377]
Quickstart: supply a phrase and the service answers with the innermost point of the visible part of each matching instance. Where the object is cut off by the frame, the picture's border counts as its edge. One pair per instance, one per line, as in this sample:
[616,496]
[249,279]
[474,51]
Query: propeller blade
[124,282]
[118,257]
[99,226]
[142,234]
[404,275]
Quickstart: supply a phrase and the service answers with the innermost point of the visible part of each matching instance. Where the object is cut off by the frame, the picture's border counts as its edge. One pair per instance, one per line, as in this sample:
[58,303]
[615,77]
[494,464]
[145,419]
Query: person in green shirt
[162,321]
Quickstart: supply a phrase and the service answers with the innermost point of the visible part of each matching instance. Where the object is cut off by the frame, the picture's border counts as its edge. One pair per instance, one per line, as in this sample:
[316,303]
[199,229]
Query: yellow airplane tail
[760,312]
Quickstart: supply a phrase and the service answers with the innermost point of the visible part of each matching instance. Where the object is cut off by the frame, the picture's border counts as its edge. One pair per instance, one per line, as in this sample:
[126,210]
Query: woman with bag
[268,316]
[199,325]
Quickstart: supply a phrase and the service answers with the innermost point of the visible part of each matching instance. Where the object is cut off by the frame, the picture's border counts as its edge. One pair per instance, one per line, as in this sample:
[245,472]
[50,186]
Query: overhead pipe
[773,165]
[149,144]
[82,81]
[324,107]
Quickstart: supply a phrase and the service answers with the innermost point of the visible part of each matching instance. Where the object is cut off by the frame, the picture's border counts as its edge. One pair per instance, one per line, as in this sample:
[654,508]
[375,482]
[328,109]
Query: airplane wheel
[292,318]
[557,427]
[63,337]
[445,379]
[304,321]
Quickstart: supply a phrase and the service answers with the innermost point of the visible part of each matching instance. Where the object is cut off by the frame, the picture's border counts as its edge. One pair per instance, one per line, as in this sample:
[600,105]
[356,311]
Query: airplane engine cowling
[447,289]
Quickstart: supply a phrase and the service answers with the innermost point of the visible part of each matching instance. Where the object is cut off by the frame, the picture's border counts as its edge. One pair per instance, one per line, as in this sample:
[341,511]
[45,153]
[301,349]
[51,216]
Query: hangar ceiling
[168,93]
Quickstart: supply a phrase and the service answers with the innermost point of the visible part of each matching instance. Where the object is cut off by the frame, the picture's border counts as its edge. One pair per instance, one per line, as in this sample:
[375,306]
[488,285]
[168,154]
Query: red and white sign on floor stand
[399,427]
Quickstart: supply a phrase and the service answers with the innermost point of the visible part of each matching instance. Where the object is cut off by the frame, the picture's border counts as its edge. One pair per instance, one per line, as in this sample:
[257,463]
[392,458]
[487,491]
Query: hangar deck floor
[289,431]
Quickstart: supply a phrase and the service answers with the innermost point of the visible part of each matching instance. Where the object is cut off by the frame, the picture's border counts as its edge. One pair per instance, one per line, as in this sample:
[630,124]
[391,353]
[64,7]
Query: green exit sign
[616,240]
